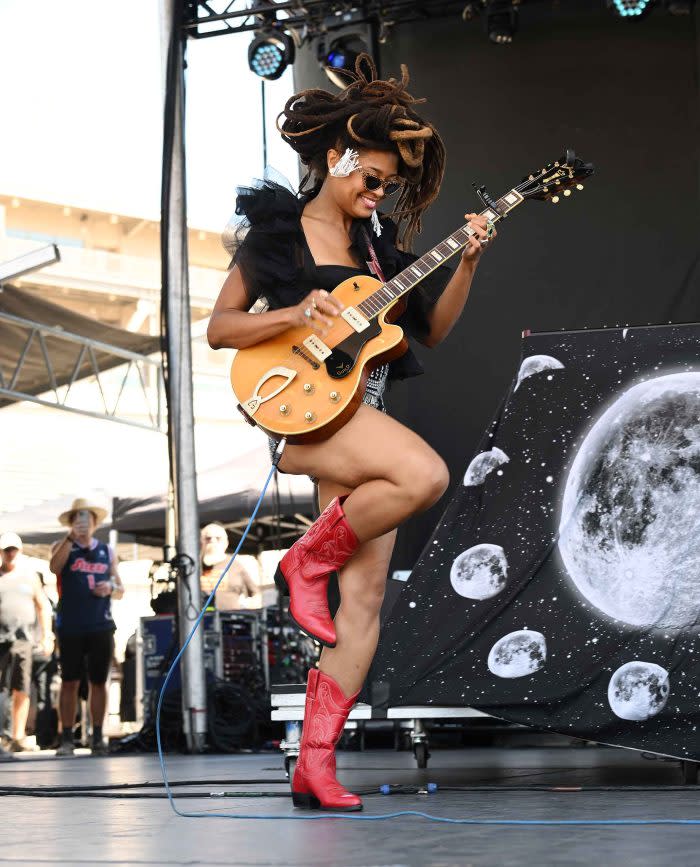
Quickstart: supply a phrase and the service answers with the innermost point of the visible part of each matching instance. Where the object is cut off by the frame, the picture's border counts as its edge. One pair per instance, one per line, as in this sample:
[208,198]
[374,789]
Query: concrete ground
[499,783]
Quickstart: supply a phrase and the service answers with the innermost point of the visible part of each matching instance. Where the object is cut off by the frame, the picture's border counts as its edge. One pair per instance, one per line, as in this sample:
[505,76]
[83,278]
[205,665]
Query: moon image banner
[561,587]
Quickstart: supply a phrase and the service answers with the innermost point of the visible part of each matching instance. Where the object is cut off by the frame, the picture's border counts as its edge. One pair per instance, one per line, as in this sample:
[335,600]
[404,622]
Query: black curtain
[624,94]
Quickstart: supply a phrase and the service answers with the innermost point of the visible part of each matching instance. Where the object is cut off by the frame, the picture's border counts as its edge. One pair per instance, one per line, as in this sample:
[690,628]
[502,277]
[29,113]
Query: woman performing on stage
[361,145]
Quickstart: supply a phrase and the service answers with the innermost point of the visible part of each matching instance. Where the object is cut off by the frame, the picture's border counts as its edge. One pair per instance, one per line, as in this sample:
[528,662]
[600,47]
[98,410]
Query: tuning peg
[567,192]
[579,186]
[555,199]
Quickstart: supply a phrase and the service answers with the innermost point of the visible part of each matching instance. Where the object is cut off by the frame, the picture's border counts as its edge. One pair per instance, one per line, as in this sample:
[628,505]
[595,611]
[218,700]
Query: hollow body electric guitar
[300,386]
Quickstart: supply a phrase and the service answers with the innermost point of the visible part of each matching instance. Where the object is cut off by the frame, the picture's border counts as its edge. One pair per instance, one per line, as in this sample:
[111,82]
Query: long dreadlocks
[377,115]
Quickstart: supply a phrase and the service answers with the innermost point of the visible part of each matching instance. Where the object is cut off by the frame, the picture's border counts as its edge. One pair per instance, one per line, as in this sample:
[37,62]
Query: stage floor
[116,831]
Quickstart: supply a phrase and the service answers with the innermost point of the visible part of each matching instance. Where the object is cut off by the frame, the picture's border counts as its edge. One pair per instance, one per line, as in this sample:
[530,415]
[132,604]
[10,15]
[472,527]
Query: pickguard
[343,358]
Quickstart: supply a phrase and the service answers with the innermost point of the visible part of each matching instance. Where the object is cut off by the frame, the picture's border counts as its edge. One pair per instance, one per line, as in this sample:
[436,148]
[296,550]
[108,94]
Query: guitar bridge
[297,350]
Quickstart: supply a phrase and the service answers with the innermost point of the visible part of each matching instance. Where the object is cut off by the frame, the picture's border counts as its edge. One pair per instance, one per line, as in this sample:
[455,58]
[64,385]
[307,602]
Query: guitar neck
[400,285]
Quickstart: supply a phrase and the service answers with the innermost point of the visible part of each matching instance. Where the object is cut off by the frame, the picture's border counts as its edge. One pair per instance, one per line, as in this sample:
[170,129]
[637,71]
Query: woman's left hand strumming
[485,234]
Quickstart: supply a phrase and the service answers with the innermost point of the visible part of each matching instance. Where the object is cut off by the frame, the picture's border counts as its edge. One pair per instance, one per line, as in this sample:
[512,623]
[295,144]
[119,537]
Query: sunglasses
[372,182]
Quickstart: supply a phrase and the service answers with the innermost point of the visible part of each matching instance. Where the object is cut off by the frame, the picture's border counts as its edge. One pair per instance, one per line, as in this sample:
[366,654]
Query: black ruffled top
[269,246]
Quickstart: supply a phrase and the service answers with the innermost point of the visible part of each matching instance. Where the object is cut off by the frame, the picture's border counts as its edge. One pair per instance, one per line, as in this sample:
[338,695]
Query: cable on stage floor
[354,817]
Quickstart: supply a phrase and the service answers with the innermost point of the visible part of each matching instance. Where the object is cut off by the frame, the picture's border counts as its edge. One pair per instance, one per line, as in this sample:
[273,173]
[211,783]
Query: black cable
[394,789]
[105,787]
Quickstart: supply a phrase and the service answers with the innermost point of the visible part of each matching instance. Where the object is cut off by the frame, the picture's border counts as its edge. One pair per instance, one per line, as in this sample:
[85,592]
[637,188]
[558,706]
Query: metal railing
[93,360]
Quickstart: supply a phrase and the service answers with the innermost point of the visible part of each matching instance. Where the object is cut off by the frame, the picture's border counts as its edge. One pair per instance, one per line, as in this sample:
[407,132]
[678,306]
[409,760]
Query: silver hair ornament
[346,164]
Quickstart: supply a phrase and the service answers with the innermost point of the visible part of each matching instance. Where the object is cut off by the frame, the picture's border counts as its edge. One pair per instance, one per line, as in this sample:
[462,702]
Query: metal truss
[204,18]
[284,530]
[86,364]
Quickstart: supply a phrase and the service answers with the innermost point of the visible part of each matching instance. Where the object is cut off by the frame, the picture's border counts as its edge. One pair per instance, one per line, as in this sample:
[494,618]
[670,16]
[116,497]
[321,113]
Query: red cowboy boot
[304,570]
[314,784]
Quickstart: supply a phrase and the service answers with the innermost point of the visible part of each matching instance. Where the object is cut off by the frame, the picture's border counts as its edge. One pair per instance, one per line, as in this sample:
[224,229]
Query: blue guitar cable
[352,817]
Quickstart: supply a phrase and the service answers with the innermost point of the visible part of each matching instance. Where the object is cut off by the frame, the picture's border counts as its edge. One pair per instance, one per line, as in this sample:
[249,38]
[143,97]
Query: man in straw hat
[88,580]
[22,602]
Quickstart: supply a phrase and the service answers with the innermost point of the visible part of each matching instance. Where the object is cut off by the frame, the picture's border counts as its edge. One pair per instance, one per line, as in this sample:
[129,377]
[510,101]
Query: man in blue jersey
[88,580]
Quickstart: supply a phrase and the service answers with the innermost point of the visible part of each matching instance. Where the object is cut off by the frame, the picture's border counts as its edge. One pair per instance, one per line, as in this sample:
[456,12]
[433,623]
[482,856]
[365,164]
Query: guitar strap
[373,263]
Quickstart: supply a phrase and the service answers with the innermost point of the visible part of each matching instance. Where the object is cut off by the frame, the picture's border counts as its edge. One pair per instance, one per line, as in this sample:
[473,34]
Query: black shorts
[16,665]
[96,647]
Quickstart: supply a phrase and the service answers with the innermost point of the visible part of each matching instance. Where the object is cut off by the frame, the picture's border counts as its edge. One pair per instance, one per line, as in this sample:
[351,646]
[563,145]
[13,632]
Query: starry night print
[561,588]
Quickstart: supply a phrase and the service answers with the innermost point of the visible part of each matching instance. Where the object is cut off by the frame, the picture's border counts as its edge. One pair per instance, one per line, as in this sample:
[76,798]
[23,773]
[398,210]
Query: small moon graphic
[518,654]
[537,364]
[629,533]
[482,465]
[480,572]
[638,690]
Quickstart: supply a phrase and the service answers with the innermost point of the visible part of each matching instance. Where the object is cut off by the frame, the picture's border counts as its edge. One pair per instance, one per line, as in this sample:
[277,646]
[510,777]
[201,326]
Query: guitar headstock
[557,179]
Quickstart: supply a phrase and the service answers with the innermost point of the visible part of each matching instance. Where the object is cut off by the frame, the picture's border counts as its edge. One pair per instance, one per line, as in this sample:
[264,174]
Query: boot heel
[308,802]
[281,582]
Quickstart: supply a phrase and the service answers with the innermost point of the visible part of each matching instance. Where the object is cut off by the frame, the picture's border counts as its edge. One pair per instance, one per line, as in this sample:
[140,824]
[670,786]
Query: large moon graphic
[518,654]
[537,364]
[630,520]
[638,690]
[480,572]
[482,465]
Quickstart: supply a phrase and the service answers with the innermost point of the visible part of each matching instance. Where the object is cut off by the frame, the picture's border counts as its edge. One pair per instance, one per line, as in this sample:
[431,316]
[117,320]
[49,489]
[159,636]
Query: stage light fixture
[270,53]
[502,21]
[630,8]
[341,56]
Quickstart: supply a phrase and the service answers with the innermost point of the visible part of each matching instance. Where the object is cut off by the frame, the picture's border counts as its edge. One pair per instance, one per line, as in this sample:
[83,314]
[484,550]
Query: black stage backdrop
[560,589]
[625,95]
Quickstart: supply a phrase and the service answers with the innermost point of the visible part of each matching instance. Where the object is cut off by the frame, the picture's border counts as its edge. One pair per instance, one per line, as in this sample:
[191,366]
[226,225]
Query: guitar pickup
[355,319]
[317,347]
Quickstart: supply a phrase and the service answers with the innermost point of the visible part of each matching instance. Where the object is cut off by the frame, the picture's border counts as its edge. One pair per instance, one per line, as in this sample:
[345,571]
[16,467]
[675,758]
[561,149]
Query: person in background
[88,580]
[22,604]
[238,589]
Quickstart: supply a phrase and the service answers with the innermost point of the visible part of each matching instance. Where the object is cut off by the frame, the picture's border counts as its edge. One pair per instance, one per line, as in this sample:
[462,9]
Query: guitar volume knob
[334,396]
[310,416]
[308,388]
[285,408]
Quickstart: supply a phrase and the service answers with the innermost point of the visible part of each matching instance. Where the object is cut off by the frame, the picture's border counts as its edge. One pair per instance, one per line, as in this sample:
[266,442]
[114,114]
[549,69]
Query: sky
[81,105]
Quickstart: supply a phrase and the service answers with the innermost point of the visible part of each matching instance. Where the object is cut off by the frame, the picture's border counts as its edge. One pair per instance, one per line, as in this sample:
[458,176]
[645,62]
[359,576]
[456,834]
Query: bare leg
[20,711]
[69,703]
[98,703]
[362,585]
[391,472]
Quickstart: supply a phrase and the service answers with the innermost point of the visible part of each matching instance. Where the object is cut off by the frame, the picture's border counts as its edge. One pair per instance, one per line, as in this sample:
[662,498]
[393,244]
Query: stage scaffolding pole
[177,340]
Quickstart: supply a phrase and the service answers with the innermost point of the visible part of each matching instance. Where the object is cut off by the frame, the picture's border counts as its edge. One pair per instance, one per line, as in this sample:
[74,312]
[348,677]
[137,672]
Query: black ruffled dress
[269,246]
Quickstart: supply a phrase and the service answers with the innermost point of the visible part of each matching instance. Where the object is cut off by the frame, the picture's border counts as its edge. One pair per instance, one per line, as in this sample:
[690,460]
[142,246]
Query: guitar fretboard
[387,294]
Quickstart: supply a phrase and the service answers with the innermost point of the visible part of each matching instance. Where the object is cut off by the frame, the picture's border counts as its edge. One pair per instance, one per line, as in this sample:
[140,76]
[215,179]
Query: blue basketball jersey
[79,610]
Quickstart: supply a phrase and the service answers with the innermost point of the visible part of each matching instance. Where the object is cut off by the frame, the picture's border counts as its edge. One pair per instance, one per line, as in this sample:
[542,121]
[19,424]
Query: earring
[376,225]
[346,164]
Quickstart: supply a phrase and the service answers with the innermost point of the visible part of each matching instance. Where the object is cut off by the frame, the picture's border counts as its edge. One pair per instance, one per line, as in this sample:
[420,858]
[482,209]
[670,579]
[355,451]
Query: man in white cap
[88,580]
[238,589]
[22,603]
